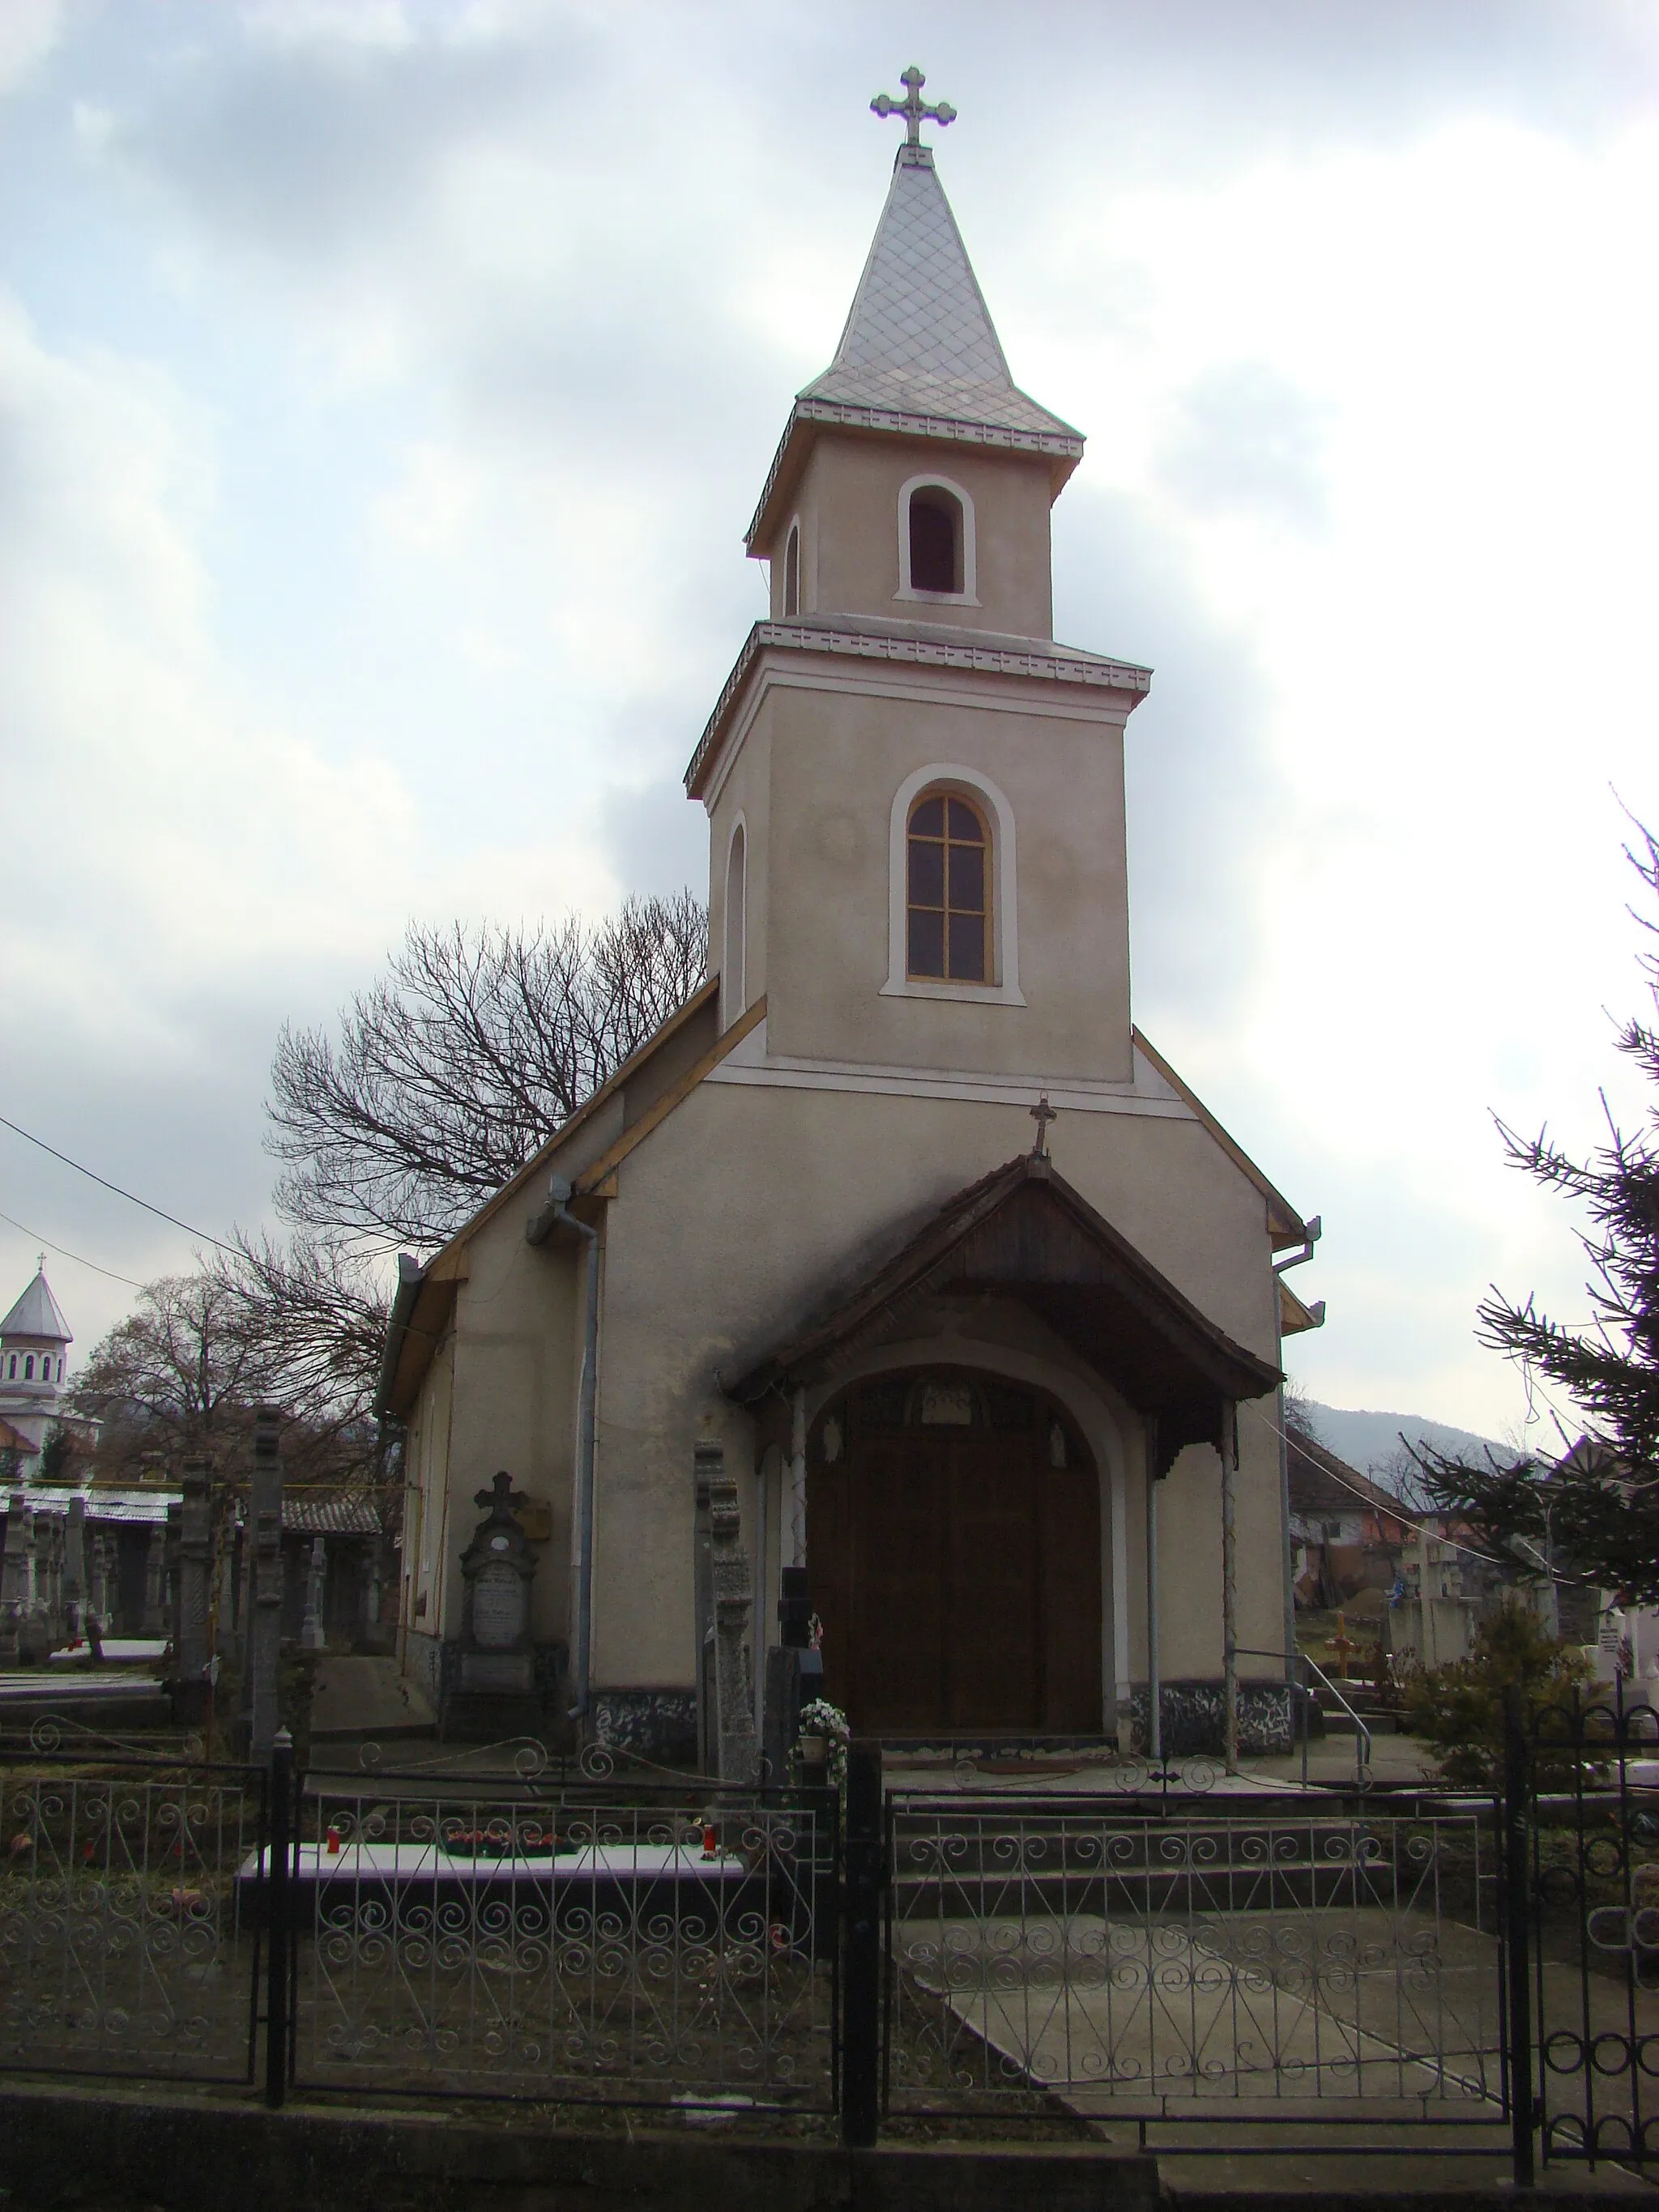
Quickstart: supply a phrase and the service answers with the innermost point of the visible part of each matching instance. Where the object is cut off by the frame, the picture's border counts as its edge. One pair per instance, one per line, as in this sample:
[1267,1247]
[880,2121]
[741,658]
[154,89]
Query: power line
[63,1253]
[132,1199]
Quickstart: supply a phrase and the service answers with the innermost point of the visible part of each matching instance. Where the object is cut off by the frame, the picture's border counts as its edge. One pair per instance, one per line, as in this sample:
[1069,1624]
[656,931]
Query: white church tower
[34,1342]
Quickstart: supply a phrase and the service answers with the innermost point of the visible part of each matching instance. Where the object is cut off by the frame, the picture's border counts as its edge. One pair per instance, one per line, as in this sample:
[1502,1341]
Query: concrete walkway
[367,1698]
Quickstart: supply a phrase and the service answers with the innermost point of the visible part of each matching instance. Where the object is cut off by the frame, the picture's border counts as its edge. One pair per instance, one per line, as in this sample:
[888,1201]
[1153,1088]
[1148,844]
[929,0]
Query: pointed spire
[919,356]
[37,1314]
[919,340]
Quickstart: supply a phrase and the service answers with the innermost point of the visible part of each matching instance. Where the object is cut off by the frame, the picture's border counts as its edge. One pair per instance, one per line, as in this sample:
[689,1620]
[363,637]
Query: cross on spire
[1042,1113]
[913,108]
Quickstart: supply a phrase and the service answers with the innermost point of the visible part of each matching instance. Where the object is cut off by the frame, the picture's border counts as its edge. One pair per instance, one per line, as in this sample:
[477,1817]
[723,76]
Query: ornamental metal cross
[913,108]
[1042,1113]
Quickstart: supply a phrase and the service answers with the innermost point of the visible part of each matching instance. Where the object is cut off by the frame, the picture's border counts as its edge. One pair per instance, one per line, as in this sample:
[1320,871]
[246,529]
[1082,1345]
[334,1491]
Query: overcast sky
[384,389]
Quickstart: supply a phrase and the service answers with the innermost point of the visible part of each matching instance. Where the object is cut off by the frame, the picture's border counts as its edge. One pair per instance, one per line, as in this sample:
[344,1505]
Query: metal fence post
[278,1917]
[860,2002]
[1516,1935]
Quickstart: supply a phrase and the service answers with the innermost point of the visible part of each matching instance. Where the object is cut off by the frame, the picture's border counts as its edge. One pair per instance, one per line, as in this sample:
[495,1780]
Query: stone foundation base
[660,1725]
[1191,1715]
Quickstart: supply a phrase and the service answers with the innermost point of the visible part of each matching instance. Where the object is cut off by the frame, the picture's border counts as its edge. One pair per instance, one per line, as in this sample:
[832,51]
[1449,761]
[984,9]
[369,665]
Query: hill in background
[1370,1440]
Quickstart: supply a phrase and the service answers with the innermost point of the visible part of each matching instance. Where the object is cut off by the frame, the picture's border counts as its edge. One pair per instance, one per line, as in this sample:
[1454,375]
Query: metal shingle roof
[920,339]
[37,1314]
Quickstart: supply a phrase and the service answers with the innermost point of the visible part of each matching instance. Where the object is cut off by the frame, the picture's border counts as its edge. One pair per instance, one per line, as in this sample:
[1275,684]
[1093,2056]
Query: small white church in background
[34,1342]
[901,1223]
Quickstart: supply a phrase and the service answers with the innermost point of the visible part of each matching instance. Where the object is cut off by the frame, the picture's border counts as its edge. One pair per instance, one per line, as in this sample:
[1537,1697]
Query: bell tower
[916,796]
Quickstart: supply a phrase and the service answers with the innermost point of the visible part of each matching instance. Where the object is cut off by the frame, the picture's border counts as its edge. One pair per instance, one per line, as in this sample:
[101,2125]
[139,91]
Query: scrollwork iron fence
[573,1945]
[125,1947]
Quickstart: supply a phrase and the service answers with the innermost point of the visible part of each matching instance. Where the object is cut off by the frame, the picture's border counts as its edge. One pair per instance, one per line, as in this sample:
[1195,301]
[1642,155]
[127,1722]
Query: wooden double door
[956,1574]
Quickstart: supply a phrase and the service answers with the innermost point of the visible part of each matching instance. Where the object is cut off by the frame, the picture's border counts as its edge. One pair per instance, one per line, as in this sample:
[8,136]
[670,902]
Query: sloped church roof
[37,1314]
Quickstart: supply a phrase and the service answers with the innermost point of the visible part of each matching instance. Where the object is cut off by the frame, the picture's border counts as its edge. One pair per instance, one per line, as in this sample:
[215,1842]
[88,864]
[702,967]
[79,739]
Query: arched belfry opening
[734,952]
[936,536]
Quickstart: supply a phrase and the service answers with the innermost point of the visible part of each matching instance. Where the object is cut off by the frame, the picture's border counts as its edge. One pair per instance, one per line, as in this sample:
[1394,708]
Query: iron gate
[1593,1792]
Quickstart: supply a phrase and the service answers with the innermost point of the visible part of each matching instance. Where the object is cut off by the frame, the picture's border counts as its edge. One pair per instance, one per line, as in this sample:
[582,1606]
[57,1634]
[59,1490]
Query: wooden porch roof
[1025,1231]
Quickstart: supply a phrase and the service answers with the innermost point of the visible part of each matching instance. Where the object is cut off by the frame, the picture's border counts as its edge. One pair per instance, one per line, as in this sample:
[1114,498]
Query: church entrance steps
[1214,1954]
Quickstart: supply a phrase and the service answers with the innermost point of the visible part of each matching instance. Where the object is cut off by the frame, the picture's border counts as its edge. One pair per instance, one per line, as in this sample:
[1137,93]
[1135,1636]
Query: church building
[900,1213]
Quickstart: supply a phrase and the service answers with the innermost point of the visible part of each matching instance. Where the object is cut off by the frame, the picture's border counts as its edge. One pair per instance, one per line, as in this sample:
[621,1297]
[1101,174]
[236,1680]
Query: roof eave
[983,653]
[1061,448]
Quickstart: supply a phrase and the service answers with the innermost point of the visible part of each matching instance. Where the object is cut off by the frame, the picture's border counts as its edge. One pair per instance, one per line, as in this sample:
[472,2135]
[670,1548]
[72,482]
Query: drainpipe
[1154,1684]
[798,1480]
[1230,1586]
[536,1231]
[758,1631]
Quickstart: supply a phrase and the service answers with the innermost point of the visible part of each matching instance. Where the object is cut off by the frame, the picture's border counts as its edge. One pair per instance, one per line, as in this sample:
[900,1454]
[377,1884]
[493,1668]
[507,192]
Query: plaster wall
[748,1210]
[515,1356]
[744,1213]
[816,777]
[848,506]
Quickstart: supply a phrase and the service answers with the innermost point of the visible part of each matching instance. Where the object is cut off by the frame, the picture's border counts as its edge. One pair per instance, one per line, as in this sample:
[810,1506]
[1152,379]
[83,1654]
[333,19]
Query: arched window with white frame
[734,951]
[938,555]
[792,571]
[953,925]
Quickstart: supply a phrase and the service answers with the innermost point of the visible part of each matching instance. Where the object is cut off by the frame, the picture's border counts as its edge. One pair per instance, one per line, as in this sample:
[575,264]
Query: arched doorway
[953,1556]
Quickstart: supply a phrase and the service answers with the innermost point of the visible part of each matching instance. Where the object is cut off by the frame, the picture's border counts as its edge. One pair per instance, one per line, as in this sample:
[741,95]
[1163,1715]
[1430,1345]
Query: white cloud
[29,29]
[375,538]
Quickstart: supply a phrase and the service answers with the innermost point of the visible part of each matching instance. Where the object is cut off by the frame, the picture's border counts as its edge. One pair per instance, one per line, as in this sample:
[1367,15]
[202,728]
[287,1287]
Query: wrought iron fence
[506,1938]
[1140,1965]
[125,1945]
[1594,1844]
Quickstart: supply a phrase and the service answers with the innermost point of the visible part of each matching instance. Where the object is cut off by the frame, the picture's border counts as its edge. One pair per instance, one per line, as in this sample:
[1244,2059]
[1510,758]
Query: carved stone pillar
[75,1602]
[14,1575]
[313,1633]
[264,1633]
[736,1751]
[190,1652]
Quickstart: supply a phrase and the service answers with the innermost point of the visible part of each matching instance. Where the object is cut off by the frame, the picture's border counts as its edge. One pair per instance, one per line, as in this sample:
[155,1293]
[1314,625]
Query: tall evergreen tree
[1593,1516]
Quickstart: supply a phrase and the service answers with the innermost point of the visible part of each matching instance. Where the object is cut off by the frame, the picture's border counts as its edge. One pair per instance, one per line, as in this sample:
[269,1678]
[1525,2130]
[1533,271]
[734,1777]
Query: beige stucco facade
[811,1112]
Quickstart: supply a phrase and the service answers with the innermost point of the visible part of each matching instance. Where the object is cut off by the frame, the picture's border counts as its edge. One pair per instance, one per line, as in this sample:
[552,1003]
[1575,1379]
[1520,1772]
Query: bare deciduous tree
[452,1070]
[181,1376]
[178,1376]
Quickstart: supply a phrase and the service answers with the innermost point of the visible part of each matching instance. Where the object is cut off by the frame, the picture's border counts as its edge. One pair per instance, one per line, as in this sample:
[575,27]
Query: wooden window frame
[985,846]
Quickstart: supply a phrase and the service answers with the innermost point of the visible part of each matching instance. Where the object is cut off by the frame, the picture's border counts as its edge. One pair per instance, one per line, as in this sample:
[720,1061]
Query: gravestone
[490,1689]
[156,1580]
